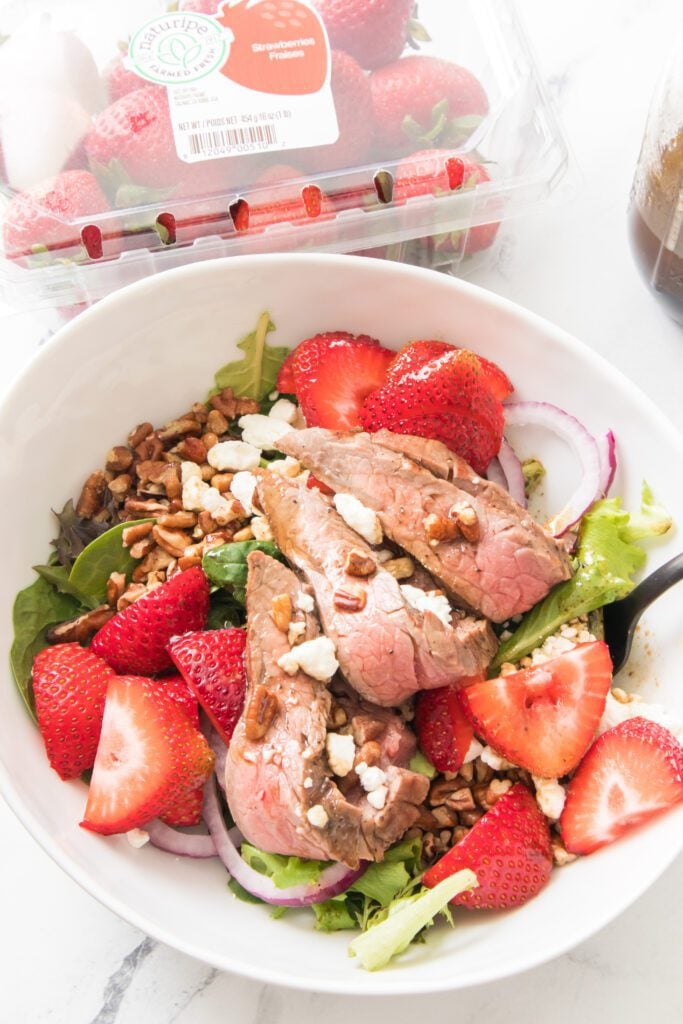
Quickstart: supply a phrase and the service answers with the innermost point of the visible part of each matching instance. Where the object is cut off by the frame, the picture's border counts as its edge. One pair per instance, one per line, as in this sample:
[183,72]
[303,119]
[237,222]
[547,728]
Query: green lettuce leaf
[226,566]
[284,871]
[224,611]
[376,946]
[255,375]
[334,915]
[607,557]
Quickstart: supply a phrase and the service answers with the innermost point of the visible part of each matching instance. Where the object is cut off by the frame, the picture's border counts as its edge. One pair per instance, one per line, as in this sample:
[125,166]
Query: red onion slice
[582,443]
[221,751]
[512,468]
[607,448]
[495,473]
[333,880]
[182,844]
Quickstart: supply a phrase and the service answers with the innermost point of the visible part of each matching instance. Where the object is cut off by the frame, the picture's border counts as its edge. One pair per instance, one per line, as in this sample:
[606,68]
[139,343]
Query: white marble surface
[67,959]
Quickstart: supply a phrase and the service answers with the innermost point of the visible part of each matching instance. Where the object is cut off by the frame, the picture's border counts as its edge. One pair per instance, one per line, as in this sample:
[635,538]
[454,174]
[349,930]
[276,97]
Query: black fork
[621,617]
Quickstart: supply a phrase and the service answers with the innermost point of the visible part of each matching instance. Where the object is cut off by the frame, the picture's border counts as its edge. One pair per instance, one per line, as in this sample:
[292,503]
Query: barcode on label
[221,140]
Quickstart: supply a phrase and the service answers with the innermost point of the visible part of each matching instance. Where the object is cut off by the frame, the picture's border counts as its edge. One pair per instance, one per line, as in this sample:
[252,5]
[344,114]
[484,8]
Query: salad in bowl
[314,628]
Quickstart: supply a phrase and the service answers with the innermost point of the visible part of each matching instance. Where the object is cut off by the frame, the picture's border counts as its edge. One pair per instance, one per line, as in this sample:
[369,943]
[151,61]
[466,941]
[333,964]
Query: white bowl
[148,352]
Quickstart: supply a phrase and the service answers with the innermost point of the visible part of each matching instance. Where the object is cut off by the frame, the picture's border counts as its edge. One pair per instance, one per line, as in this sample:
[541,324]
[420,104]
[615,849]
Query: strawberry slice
[334,373]
[134,641]
[187,810]
[543,718]
[69,688]
[149,758]
[630,774]
[175,687]
[312,354]
[314,484]
[509,851]
[448,400]
[443,729]
[212,665]
[417,353]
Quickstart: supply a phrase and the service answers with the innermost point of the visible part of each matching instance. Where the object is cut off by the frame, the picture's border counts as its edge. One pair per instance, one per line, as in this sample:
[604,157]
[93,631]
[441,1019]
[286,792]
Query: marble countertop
[68,959]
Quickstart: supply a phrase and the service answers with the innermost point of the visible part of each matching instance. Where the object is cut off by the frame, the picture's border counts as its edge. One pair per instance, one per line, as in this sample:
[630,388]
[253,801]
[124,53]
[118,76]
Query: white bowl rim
[391,982]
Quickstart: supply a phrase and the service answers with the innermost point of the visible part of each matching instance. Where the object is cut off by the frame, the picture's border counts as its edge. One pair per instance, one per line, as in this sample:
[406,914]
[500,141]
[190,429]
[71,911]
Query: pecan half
[177,429]
[358,564]
[467,521]
[119,459]
[92,495]
[142,547]
[281,610]
[260,713]
[139,434]
[138,507]
[350,599]
[172,541]
[440,528]
[81,628]
[132,534]
[177,520]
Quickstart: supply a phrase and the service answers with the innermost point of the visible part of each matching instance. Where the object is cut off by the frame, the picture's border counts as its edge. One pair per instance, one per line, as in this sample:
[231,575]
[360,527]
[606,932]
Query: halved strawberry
[212,665]
[448,400]
[175,687]
[509,851]
[187,810]
[313,354]
[417,353]
[69,687]
[443,729]
[543,718]
[149,758]
[630,774]
[135,640]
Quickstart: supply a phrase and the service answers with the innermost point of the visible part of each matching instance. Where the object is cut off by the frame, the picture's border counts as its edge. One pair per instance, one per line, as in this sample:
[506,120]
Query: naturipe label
[253,78]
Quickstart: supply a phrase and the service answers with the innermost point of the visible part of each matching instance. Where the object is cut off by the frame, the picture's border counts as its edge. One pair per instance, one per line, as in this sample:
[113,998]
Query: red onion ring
[221,752]
[333,880]
[607,448]
[495,473]
[582,443]
[182,844]
[512,468]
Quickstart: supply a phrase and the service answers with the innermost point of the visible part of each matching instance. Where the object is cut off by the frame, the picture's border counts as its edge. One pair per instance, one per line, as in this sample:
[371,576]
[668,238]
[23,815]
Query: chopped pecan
[358,564]
[210,440]
[207,471]
[92,495]
[205,524]
[214,540]
[81,628]
[260,713]
[246,406]
[222,481]
[216,422]
[120,485]
[470,817]
[151,470]
[225,403]
[130,595]
[173,541]
[445,816]
[461,800]
[350,599]
[141,547]
[200,412]
[156,559]
[439,528]
[466,772]
[138,507]
[365,728]
[151,448]
[170,479]
[337,715]
[370,753]
[466,520]
[177,520]
[192,449]
[189,562]
[496,789]
[116,584]
[483,771]
[139,434]
[281,610]
[400,568]
[119,459]
[246,533]
[440,790]
[561,855]
[132,534]
[177,429]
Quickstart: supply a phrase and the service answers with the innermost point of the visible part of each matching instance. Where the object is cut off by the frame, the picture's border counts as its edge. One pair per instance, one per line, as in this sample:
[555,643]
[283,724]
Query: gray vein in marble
[182,1005]
[120,981]
[269,1006]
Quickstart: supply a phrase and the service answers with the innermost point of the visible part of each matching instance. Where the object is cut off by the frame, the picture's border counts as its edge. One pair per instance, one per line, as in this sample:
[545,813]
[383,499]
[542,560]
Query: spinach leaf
[224,611]
[58,576]
[36,608]
[255,375]
[226,566]
[103,556]
[76,532]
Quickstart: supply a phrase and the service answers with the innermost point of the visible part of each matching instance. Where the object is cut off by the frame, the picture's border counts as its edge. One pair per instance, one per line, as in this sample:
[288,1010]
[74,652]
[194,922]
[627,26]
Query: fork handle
[655,585]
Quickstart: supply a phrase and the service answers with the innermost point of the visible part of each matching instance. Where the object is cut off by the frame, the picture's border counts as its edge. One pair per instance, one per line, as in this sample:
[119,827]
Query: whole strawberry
[508,850]
[440,172]
[69,688]
[119,80]
[134,640]
[422,99]
[52,215]
[353,104]
[212,665]
[375,32]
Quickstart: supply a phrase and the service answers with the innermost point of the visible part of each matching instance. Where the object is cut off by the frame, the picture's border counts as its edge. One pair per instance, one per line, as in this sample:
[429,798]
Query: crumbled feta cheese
[378,797]
[283,410]
[273,396]
[550,796]
[137,837]
[428,601]
[615,712]
[285,467]
[304,603]
[361,769]
[317,816]
[361,519]
[341,753]
[314,657]
[217,506]
[372,778]
[495,760]
[308,783]
[295,631]
[231,456]
[474,750]
[188,470]
[260,527]
[242,487]
[194,490]
[262,431]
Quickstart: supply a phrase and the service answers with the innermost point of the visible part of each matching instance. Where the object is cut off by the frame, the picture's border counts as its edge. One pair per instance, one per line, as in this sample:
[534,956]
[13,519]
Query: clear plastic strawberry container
[134,138]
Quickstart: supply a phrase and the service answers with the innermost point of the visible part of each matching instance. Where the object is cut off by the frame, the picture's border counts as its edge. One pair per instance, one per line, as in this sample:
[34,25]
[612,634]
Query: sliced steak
[508,569]
[274,779]
[387,650]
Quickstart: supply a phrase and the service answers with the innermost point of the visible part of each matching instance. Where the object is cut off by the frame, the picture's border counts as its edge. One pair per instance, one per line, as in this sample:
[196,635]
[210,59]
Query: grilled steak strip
[508,569]
[386,650]
[273,781]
